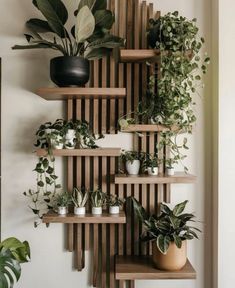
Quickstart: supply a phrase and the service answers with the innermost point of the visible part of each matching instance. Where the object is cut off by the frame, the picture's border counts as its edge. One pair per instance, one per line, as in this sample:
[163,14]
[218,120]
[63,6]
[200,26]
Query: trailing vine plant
[169,99]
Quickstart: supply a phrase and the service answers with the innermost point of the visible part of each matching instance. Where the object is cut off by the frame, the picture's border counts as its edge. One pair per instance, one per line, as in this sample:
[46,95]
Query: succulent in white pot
[132,161]
[79,199]
[114,203]
[62,202]
[98,199]
[170,169]
[151,163]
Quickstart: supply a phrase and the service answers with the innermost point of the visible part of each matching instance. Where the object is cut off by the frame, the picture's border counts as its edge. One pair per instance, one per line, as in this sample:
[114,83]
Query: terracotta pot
[174,260]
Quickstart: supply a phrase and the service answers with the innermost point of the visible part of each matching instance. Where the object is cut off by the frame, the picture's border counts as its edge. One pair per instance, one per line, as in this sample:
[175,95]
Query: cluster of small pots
[81,211]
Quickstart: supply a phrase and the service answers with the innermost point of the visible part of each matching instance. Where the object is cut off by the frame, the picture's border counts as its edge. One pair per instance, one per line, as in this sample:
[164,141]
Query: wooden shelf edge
[140,55]
[105,218]
[148,128]
[142,268]
[106,152]
[178,178]
[61,93]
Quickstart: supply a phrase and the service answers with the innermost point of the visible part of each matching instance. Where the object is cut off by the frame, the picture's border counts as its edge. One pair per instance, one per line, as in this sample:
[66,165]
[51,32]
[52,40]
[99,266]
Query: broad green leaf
[85,24]
[109,41]
[39,25]
[56,14]
[100,5]
[97,53]
[104,19]
[139,210]
[163,243]
[89,3]
[179,208]
[175,222]
[165,209]
[19,250]
[177,240]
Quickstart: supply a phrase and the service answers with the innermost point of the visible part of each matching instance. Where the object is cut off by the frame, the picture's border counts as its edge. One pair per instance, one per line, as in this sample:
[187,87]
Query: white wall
[23,111]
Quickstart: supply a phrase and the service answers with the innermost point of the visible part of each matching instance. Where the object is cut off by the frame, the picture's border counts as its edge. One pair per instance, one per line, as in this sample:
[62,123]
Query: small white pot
[62,210]
[57,143]
[133,168]
[170,171]
[71,134]
[114,209]
[96,210]
[79,211]
[152,171]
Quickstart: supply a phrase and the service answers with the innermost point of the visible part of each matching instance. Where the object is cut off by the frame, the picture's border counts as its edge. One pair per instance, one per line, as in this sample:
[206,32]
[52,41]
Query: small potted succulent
[62,202]
[79,199]
[168,234]
[170,169]
[151,163]
[114,203]
[89,38]
[12,254]
[132,160]
[98,199]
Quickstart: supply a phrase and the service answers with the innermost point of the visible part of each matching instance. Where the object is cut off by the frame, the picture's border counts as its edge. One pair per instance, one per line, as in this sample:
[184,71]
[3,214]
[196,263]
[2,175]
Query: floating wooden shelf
[99,152]
[105,218]
[148,128]
[142,268]
[179,177]
[140,55]
[67,93]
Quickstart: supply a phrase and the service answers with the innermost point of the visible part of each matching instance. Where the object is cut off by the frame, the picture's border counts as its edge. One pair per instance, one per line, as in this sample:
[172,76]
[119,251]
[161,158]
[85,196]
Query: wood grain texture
[69,93]
[105,218]
[142,268]
[179,177]
[148,128]
[99,152]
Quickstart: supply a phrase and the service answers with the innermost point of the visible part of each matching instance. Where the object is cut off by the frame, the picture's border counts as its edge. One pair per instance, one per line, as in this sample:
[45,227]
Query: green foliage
[89,37]
[80,197]
[12,253]
[63,199]
[98,198]
[169,226]
[114,200]
[151,160]
[130,156]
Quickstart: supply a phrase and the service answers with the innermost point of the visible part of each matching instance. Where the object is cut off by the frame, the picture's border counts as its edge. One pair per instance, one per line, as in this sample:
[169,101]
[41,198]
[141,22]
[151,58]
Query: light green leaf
[85,25]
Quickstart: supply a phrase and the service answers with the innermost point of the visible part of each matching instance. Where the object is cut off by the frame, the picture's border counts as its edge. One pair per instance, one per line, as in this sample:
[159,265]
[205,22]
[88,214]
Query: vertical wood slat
[96,101]
[104,101]
[70,227]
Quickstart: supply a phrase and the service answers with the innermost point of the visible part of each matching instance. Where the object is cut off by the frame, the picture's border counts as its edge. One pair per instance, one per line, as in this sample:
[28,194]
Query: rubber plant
[89,37]
[170,97]
[12,253]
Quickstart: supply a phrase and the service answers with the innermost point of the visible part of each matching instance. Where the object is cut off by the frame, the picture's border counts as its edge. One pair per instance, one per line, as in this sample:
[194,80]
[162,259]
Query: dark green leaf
[38,25]
[40,183]
[104,19]
[177,240]
[163,243]
[97,53]
[179,208]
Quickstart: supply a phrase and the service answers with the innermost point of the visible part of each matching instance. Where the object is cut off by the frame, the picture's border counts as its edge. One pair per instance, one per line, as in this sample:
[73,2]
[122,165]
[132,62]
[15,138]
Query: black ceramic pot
[69,71]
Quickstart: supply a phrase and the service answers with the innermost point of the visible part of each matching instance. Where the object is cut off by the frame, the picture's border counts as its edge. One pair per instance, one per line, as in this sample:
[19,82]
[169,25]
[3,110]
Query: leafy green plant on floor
[172,225]
[12,253]
[89,37]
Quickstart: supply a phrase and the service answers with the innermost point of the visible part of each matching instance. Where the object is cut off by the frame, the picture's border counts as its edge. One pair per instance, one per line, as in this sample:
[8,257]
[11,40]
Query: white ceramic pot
[133,168]
[70,145]
[96,210]
[170,171]
[57,143]
[114,209]
[152,171]
[79,211]
[62,210]
[71,134]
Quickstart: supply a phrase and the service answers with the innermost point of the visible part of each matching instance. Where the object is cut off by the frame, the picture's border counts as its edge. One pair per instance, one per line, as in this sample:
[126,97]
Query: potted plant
[62,202]
[168,233]
[98,199]
[12,253]
[170,169]
[132,160]
[151,163]
[89,38]
[114,203]
[79,199]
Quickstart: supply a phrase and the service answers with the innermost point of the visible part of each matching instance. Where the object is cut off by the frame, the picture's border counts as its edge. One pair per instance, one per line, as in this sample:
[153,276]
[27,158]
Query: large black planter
[69,71]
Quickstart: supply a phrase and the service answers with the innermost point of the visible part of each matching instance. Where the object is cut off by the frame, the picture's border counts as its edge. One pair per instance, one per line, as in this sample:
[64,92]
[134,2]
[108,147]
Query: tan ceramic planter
[175,259]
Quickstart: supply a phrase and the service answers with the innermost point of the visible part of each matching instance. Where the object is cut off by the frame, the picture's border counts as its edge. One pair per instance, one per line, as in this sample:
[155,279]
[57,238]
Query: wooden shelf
[140,55]
[148,128]
[142,268]
[179,177]
[99,152]
[105,218]
[67,93]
